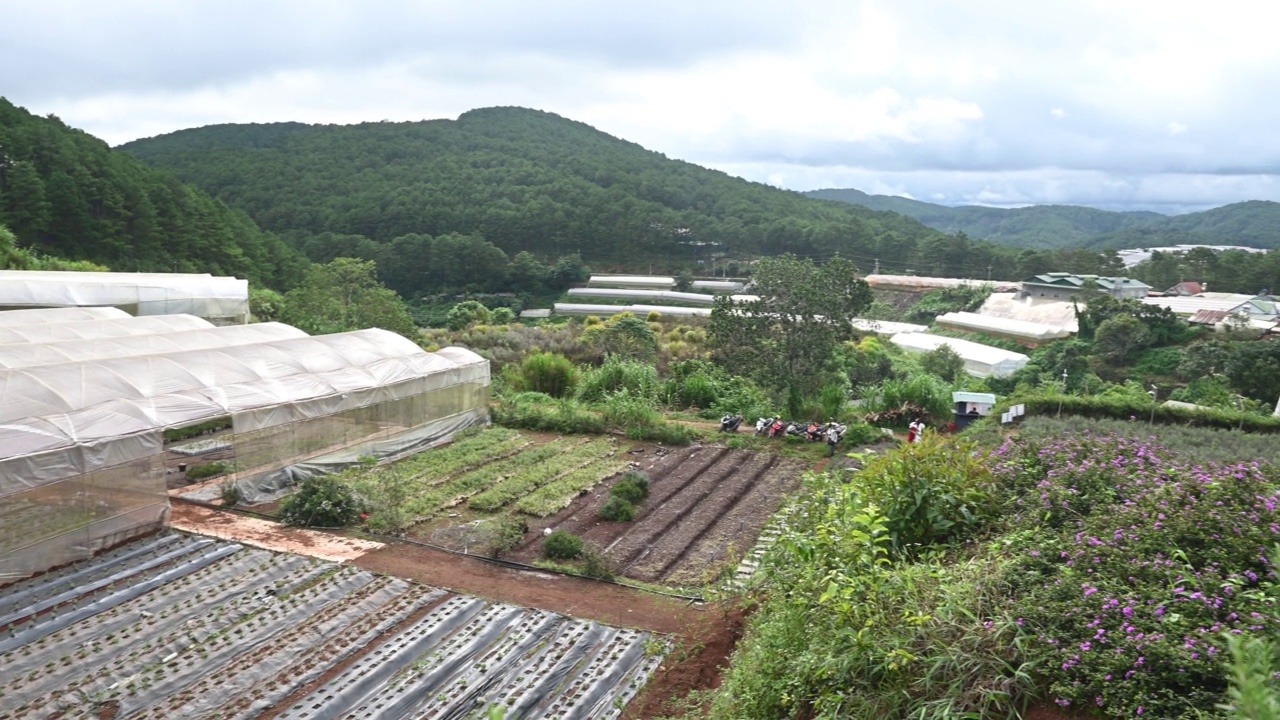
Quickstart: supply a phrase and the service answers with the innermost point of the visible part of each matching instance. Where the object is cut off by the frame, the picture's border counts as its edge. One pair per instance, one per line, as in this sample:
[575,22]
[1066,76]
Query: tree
[345,295]
[1118,337]
[1253,369]
[526,273]
[568,270]
[943,362]
[466,313]
[787,338]
[625,336]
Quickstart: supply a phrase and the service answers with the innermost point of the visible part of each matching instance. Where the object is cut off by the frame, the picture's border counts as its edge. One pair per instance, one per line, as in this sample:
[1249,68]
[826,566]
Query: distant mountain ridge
[1255,223]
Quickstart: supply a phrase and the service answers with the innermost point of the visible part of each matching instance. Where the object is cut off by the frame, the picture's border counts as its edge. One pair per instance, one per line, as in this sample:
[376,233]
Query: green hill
[1255,223]
[526,181]
[65,193]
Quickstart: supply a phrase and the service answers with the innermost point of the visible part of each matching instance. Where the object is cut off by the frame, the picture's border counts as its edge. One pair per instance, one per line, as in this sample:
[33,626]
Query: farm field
[177,626]
[707,505]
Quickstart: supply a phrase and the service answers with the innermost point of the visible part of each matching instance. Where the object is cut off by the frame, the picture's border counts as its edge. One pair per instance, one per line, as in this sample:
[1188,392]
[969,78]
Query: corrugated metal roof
[973,397]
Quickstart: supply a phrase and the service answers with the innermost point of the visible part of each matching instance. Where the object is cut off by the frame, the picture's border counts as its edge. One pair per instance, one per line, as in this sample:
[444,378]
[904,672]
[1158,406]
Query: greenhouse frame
[641,310]
[224,300]
[89,448]
[979,360]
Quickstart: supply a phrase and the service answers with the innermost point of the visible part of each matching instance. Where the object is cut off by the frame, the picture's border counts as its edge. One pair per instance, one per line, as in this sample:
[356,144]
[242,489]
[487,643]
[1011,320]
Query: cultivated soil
[705,510]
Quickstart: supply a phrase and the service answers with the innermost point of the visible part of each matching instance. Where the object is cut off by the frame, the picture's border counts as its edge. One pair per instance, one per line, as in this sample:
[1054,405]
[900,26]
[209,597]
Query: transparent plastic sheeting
[38,354]
[39,450]
[224,298]
[75,517]
[95,329]
[66,387]
[979,360]
[44,316]
[264,485]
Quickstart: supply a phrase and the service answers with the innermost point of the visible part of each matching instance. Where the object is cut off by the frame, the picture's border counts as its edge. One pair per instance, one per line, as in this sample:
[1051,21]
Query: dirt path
[267,534]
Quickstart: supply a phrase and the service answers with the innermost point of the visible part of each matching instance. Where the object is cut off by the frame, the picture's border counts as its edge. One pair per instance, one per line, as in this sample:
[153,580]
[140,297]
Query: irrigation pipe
[509,564]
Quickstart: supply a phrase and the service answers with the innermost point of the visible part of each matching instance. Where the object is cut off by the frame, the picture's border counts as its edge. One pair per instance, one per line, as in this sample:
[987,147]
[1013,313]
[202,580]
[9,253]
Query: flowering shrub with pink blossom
[1132,567]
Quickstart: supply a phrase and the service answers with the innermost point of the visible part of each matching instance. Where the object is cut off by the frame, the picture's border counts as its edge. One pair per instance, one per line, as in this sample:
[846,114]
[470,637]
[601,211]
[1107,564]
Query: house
[1186,288]
[1063,286]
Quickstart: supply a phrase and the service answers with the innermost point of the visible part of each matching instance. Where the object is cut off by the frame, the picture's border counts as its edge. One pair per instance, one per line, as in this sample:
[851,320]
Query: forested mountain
[527,181]
[1255,223]
[65,193]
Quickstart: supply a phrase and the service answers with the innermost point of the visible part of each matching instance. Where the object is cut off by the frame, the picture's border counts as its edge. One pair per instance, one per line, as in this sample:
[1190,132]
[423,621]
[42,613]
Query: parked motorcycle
[730,423]
[763,425]
[778,429]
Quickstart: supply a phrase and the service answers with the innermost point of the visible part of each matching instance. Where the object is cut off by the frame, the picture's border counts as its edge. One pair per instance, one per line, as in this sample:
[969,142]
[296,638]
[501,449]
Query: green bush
[617,509]
[321,501]
[633,487]
[936,492]
[470,312]
[919,392]
[230,493]
[208,470]
[595,564]
[535,411]
[640,379]
[548,373]
[502,316]
[1158,362]
[666,433]
[1140,408]
[561,545]
[861,434]
[508,531]
[624,410]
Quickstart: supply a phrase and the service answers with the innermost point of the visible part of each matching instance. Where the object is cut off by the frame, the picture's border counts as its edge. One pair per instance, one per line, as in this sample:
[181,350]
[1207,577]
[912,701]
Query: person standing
[833,439]
[911,431]
[919,431]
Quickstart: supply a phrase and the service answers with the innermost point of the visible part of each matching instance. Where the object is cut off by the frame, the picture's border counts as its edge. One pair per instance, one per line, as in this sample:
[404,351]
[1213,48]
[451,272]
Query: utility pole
[1155,395]
[1064,392]
[988,273]
[877,270]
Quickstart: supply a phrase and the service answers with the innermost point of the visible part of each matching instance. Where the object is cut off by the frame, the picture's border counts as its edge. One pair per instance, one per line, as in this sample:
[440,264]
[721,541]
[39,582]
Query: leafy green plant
[617,509]
[633,487]
[230,494]
[209,470]
[596,564]
[320,501]
[561,545]
[548,373]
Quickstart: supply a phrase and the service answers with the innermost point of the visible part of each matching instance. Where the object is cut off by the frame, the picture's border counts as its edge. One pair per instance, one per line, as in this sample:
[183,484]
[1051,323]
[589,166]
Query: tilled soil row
[649,530]
[667,476]
[735,530]
[695,520]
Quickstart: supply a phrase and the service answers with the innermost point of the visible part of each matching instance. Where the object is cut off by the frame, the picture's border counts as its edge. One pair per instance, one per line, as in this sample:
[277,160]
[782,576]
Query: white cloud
[926,99]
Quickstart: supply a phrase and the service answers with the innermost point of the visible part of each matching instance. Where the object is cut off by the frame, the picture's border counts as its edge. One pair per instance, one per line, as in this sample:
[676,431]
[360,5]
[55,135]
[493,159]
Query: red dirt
[706,505]
[697,662]
[579,597]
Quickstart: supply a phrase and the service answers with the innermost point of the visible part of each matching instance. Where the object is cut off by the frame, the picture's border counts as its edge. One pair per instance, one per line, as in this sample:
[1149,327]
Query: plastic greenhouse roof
[105,328]
[122,416]
[1003,326]
[53,389]
[981,360]
[150,293]
[641,310]
[35,354]
[632,280]
[40,316]
[642,294]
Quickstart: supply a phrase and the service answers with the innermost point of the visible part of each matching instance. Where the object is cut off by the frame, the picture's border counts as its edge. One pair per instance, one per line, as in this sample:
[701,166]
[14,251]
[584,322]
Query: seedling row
[177,627]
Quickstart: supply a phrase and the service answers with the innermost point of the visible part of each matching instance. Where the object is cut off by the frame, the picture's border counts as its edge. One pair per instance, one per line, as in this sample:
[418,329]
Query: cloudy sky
[1155,104]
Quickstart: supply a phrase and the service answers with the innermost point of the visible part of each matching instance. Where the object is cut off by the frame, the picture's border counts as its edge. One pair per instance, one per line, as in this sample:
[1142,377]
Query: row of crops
[175,626]
[491,471]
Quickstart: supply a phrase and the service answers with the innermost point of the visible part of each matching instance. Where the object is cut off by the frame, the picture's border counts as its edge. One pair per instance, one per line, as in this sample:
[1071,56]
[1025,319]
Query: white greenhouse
[224,300]
[45,316]
[97,329]
[642,295]
[650,282]
[719,287]
[885,327]
[979,360]
[90,445]
[1018,330]
[640,310]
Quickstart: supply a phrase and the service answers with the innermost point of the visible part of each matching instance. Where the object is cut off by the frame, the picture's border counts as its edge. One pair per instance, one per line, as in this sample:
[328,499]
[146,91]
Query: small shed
[969,406]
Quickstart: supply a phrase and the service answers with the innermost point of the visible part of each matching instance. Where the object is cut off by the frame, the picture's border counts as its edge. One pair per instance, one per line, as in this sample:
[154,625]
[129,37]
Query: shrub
[920,391]
[861,434]
[548,373]
[508,531]
[665,433]
[595,564]
[633,487]
[208,470]
[617,509]
[502,316]
[936,492]
[653,316]
[321,501]
[625,410]
[470,312]
[639,378]
[561,545]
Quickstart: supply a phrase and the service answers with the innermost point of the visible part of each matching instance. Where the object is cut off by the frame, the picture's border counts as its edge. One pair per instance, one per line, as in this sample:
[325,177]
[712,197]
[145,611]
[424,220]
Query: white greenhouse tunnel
[979,360]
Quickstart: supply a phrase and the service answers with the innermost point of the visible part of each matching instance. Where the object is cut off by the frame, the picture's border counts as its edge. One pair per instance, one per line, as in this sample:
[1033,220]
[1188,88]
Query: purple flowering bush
[1131,567]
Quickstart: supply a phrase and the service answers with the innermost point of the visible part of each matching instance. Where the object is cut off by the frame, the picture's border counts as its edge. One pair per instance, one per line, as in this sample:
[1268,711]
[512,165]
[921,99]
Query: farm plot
[174,626]
[706,508]
[494,470]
